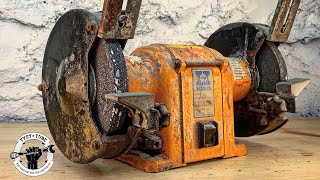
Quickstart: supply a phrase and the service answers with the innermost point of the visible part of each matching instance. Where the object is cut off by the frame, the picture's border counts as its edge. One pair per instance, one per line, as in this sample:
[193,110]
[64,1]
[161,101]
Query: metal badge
[203,100]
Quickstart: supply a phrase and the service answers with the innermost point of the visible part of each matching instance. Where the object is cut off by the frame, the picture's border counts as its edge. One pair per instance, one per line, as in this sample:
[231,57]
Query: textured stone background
[25,26]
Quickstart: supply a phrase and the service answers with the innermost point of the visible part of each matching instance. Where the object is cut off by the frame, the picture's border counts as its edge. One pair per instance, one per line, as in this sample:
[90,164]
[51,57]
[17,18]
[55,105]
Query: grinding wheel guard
[263,109]
[65,85]
[68,88]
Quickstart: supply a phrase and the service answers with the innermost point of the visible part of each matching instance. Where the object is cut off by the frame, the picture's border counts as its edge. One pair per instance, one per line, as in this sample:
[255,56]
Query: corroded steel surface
[192,85]
[65,85]
[155,73]
[109,18]
[78,117]
[289,90]
[188,56]
[116,24]
[266,67]
[259,113]
[241,78]
[255,115]
[240,40]
[140,105]
[111,146]
[168,75]
[283,19]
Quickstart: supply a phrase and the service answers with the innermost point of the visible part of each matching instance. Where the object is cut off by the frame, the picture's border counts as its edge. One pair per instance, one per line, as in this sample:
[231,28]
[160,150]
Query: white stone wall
[25,26]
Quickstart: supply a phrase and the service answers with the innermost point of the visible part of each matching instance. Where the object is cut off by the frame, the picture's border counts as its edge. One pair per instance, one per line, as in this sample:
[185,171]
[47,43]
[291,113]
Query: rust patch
[117,24]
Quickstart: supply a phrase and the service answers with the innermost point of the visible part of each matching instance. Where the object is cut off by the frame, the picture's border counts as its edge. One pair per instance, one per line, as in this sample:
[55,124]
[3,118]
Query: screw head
[259,35]
[177,63]
[95,144]
[42,87]
[91,27]
[122,20]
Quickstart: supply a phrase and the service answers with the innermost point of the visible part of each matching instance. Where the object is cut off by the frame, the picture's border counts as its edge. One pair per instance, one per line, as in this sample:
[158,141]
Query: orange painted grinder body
[170,73]
[163,106]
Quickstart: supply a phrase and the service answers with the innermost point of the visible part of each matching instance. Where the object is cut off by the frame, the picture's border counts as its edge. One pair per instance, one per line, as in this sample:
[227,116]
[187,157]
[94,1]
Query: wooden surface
[293,152]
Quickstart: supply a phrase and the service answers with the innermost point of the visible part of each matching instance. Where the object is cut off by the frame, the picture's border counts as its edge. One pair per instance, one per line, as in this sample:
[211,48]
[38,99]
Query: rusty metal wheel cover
[272,70]
[78,70]
[229,41]
[65,77]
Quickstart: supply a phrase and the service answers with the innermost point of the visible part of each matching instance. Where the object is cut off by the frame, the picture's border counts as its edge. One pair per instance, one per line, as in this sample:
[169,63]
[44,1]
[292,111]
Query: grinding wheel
[74,79]
[111,76]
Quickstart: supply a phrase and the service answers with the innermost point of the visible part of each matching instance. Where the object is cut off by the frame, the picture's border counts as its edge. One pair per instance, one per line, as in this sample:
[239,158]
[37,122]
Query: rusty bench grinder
[165,105]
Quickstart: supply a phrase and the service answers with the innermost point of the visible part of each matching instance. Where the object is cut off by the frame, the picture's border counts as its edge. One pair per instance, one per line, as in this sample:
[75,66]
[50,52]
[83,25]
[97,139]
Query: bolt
[91,27]
[264,121]
[95,144]
[177,63]
[42,87]
[122,20]
[259,35]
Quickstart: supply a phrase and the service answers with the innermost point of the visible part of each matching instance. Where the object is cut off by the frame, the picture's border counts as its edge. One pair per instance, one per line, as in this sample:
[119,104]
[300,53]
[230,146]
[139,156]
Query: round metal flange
[248,41]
